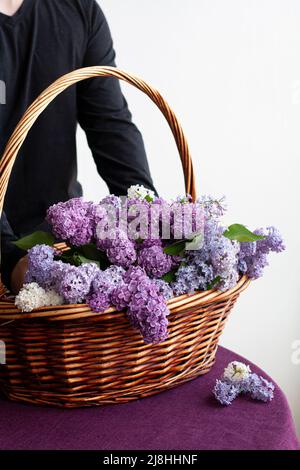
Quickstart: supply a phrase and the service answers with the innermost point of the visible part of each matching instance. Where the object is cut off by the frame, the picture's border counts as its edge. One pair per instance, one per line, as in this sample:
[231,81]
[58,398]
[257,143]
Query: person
[42,40]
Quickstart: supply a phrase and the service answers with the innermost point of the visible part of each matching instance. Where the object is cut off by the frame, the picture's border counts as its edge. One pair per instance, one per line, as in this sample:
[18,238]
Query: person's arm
[116,143]
[13,263]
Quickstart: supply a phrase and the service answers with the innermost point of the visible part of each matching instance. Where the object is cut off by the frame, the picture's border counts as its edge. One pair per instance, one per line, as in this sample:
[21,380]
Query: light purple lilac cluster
[102,286]
[253,257]
[75,221]
[223,260]
[145,303]
[228,388]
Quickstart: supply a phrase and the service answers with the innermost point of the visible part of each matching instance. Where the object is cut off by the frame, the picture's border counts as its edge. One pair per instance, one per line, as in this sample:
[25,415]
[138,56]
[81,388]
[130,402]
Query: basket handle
[45,98]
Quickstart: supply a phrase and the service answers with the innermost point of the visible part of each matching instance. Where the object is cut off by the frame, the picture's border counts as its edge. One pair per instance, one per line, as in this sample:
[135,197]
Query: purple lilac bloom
[155,262]
[253,255]
[149,242]
[214,208]
[164,288]
[91,270]
[98,301]
[121,251]
[260,388]
[222,254]
[40,261]
[111,200]
[224,260]
[190,278]
[122,294]
[186,219]
[120,297]
[272,242]
[225,392]
[148,312]
[105,281]
[217,258]
[75,284]
[147,308]
[102,286]
[71,221]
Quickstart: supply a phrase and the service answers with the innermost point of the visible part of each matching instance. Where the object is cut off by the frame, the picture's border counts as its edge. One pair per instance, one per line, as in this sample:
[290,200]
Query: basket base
[88,399]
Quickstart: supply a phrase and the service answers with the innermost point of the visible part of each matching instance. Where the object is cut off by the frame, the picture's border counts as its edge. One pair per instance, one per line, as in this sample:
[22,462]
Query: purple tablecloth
[187,417]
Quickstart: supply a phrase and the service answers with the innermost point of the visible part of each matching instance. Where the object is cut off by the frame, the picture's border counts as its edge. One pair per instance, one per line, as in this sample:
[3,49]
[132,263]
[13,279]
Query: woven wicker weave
[70,356]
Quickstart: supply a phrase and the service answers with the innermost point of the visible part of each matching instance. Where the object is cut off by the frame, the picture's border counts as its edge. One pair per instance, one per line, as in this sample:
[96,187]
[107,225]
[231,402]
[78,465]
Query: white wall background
[231,71]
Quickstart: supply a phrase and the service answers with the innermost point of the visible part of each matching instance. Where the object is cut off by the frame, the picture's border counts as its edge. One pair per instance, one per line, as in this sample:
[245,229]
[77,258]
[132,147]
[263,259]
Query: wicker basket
[69,356]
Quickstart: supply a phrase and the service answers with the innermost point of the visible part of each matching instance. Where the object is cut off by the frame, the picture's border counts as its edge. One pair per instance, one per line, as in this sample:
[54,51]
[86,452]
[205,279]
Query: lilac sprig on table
[238,379]
[190,250]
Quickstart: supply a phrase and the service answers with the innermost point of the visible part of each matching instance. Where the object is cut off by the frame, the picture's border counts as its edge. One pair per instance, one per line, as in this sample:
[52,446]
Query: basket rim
[180,303]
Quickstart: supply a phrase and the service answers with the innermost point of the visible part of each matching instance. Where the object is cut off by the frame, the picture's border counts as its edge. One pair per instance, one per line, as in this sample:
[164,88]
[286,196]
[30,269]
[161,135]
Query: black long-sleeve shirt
[42,41]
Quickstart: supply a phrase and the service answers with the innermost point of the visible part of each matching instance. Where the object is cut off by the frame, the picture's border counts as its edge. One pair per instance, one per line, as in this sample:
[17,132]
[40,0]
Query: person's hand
[18,275]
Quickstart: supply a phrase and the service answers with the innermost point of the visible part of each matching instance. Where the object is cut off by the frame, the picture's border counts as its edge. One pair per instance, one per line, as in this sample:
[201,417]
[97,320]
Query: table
[184,418]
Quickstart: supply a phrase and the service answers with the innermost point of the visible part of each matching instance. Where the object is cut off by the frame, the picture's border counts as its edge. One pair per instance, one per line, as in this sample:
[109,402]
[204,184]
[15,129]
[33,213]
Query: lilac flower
[192,275]
[56,274]
[140,192]
[120,297]
[214,208]
[134,275]
[225,392]
[186,220]
[75,284]
[147,308]
[40,261]
[121,251]
[216,259]
[164,288]
[32,296]
[103,283]
[107,280]
[148,312]
[272,242]
[237,378]
[111,200]
[155,262]
[236,372]
[253,256]
[122,294]
[98,301]
[260,388]
[72,221]
[149,242]
[187,280]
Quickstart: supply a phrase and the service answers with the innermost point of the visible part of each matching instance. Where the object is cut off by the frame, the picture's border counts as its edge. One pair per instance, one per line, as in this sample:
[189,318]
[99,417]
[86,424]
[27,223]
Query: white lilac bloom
[52,298]
[33,296]
[140,192]
[236,371]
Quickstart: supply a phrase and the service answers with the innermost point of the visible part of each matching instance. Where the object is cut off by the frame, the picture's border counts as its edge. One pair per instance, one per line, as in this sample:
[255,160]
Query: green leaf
[148,198]
[241,234]
[90,251]
[82,260]
[176,248]
[170,276]
[36,238]
[84,254]
[213,282]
